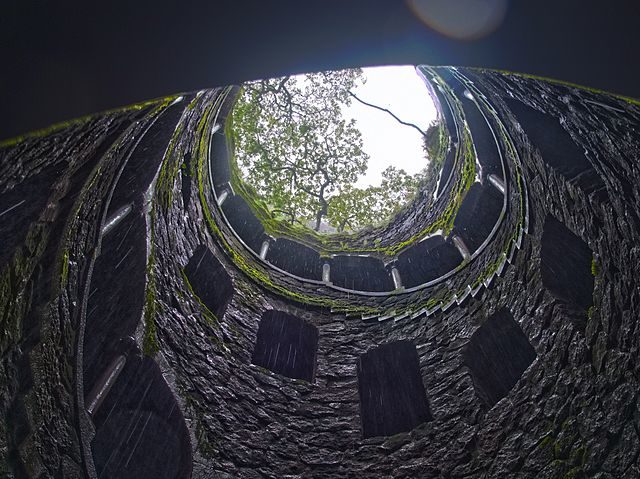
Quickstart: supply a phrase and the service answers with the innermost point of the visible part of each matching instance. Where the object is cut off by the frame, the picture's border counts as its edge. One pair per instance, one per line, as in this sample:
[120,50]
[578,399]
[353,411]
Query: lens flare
[460,19]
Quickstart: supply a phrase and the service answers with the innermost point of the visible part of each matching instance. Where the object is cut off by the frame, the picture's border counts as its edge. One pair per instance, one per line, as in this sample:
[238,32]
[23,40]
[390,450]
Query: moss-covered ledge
[397,304]
[417,219]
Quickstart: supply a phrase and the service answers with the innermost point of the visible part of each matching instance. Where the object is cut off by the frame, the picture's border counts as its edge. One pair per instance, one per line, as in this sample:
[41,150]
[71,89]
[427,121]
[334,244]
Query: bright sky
[399,89]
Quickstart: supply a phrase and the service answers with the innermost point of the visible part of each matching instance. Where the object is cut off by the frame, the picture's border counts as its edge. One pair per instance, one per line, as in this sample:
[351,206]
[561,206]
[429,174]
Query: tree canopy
[353,208]
[303,158]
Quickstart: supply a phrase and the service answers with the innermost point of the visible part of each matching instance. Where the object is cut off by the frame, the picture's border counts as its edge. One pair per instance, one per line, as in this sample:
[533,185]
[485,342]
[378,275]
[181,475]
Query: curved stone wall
[364,261]
[141,338]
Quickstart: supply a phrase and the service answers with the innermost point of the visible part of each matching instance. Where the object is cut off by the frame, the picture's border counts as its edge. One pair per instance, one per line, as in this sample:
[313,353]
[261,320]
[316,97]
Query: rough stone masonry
[131,305]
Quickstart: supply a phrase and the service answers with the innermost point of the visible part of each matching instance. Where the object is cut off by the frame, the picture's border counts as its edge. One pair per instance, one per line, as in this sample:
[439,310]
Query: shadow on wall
[209,281]
[392,395]
[479,212]
[286,345]
[566,265]
[427,260]
[140,430]
[295,258]
[497,355]
[360,273]
[558,148]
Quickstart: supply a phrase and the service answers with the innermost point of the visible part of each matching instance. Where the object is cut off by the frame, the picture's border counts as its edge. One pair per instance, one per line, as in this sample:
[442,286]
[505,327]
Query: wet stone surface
[497,355]
[196,406]
[567,265]
[427,260]
[360,273]
[209,281]
[392,397]
[478,214]
[295,258]
[286,345]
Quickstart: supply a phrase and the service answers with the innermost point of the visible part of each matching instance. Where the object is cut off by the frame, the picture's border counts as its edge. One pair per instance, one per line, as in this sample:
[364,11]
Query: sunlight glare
[402,91]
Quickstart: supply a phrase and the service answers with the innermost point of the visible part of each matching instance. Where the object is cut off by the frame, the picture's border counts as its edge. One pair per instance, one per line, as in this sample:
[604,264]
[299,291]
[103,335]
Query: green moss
[245,265]
[50,130]
[339,243]
[79,121]
[510,242]
[557,450]
[547,441]
[564,444]
[171,165]
[64,275]
[150,345]
[489,270]
[579,456]
[446,220]
[345,242]
[572,473]
[208,315]
[595,268]
[206,447]
[566,423]
[163,194]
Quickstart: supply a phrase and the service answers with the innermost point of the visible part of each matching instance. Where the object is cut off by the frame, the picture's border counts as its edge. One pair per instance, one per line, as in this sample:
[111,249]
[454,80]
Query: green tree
[435,142]
[303,158]
[293,144]
[354,208]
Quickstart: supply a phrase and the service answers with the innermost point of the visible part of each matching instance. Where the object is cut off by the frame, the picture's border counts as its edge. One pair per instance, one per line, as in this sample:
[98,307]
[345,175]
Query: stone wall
[122,358]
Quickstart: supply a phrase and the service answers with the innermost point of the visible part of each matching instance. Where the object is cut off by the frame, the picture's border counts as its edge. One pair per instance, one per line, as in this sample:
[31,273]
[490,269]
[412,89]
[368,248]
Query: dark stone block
[427,260]
[286,345]
[557,147]
[18,418]
[244,222]
[392,396]
[295,258]
[446,113]
[361,273]
[565,265]
[478,214]
[116,296]
[219,157]
[140,430]
[209,280]
[483,140]
[497,355]
[447,169]
[143,164]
